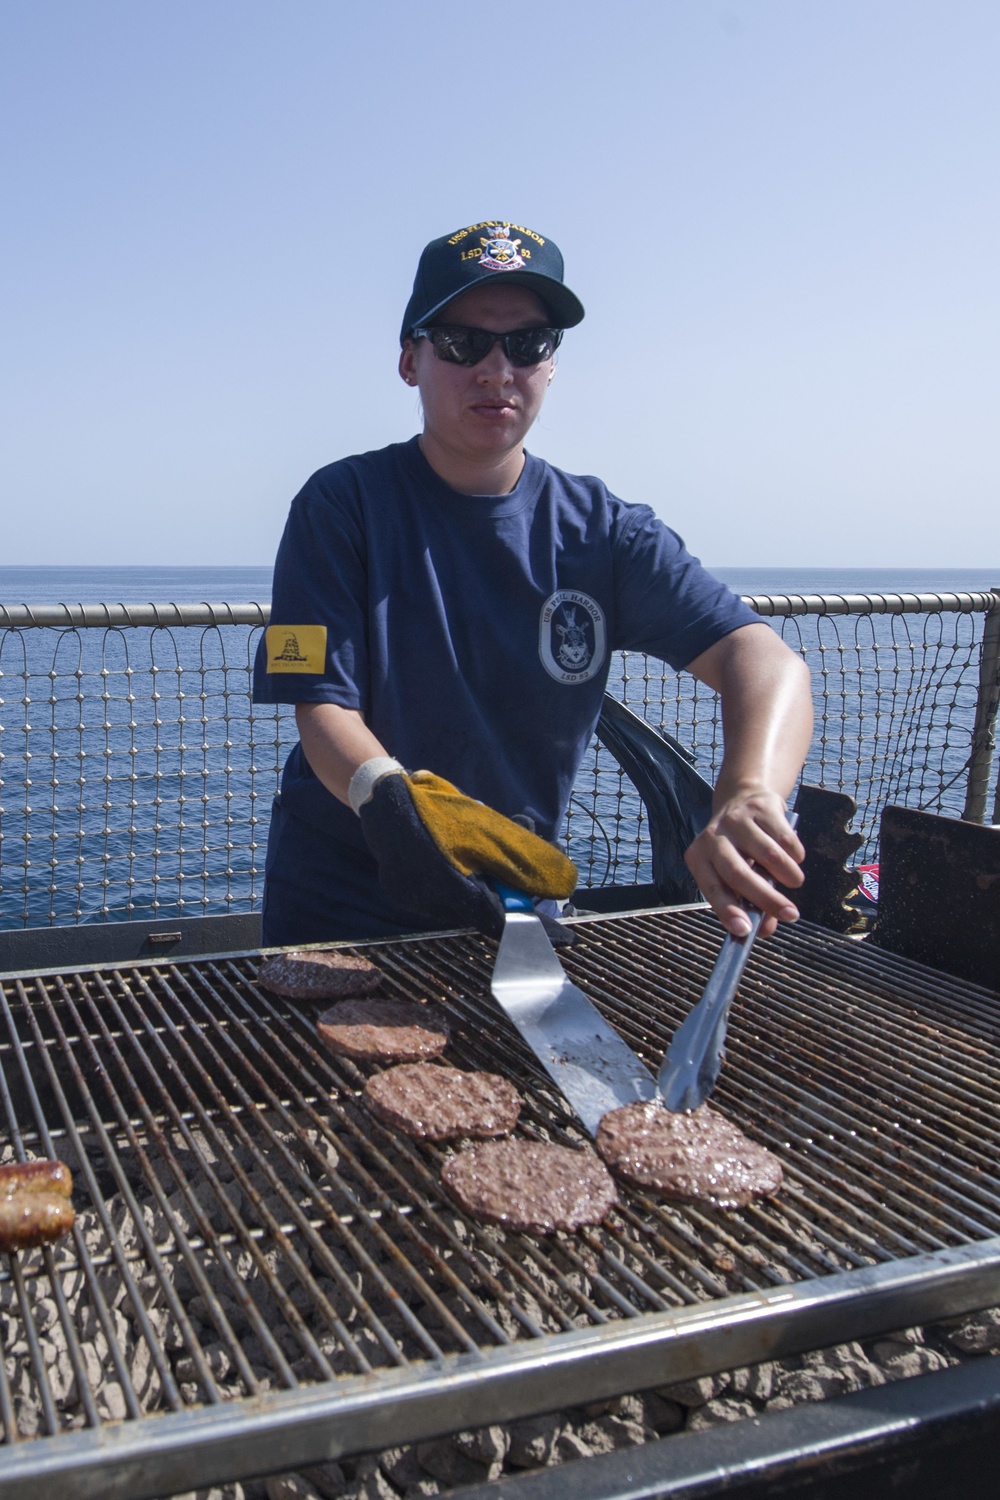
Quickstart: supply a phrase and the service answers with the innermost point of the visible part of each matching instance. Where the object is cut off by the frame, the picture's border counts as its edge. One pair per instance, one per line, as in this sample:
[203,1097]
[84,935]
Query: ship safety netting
[136,776]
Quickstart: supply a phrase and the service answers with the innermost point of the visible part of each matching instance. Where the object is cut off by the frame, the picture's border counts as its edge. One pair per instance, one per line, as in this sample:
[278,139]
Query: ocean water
[99,585]
[152,731]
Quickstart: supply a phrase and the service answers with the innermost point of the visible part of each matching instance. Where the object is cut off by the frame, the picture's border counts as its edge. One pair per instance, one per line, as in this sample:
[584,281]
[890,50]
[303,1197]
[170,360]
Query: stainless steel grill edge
[284,1430]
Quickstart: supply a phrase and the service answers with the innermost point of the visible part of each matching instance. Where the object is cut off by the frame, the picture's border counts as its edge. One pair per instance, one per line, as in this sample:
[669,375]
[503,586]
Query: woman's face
[480,413]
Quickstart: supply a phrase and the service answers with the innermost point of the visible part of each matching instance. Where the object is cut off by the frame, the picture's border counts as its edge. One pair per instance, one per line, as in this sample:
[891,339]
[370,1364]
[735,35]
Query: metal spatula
[693,1061]
[585,1058]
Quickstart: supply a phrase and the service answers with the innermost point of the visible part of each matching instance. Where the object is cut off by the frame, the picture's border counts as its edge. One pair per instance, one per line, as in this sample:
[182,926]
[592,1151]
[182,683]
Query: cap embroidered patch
[296,648]
[501,253]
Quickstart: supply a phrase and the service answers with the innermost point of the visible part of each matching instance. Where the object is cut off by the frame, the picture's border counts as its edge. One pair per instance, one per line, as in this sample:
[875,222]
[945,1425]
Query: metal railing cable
[136,776]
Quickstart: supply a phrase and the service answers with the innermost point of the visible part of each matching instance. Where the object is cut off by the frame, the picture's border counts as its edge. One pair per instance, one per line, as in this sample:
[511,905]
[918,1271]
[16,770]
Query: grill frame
[169,1451]
[173,1452]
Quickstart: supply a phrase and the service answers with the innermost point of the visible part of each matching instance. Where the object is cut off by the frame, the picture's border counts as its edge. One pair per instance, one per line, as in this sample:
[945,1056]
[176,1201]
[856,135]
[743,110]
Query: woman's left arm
[767,726]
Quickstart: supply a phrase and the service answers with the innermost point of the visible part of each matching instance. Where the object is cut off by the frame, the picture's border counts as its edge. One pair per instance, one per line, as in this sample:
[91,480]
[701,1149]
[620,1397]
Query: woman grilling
[443,617]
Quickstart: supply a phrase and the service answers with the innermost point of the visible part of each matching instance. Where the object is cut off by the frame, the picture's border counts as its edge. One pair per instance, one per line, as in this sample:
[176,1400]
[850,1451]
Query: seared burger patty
[695,1155]
[384,1030]
[437,1103]
[315,975]
[530,1186]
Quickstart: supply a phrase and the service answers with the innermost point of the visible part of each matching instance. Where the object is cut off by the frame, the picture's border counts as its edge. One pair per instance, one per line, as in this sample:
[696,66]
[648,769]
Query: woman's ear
[408,363]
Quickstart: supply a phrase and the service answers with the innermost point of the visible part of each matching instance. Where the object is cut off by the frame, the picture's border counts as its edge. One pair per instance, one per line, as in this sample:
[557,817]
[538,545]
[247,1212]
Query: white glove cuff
[362,783]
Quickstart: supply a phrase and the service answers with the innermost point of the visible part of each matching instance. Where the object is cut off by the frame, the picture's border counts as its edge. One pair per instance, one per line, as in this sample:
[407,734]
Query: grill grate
[245,1227]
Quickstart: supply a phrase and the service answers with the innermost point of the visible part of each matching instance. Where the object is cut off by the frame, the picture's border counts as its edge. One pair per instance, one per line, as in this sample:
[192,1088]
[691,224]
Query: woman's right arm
[336,741]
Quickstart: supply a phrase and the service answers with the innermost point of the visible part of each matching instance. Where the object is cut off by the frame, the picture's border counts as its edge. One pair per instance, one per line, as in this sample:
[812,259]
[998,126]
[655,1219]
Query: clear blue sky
[782,216]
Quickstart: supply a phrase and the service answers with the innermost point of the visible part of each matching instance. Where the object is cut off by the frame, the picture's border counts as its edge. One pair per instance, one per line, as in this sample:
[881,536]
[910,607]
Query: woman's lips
[494,411]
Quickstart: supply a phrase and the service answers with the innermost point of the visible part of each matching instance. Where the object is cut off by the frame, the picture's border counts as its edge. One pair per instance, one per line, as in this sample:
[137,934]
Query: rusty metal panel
[823,818]
[939,893]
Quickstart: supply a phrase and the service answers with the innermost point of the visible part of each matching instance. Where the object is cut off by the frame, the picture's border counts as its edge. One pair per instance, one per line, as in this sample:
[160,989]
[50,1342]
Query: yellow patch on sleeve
[296,648]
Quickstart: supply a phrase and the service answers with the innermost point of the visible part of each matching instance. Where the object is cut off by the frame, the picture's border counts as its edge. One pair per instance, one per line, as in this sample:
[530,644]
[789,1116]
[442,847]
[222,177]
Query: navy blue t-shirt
[473,632]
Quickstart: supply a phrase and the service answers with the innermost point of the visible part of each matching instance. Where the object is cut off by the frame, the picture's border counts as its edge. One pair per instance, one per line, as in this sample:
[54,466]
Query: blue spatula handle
[512,900]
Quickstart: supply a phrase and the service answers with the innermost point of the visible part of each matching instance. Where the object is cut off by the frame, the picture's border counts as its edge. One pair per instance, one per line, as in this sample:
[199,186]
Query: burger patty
[530,1186]
[384,1030]
[439,1103]
[694,1155]
[35,1206]
[316,975]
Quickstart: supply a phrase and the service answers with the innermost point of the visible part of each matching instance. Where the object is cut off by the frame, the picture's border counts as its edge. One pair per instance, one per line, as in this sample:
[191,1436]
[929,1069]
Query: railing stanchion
[984,729]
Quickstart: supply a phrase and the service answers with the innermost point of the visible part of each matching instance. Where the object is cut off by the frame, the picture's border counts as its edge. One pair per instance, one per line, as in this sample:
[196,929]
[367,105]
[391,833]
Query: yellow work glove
[437,850]
[479,841]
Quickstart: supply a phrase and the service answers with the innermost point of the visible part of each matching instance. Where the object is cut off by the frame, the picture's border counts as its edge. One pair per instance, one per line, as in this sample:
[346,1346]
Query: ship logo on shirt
[575,652]
[572,640]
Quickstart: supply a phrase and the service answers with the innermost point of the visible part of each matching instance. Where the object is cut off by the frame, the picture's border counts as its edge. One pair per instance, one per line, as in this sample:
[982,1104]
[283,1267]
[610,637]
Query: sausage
[49,1177]
[35,1205]
[28,1219]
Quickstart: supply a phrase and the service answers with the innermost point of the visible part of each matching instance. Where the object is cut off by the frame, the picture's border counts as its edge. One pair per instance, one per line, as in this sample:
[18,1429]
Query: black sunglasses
[467,346]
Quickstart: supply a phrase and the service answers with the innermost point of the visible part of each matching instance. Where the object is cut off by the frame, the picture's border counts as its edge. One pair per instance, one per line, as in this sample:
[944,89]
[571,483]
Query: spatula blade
[585,1058]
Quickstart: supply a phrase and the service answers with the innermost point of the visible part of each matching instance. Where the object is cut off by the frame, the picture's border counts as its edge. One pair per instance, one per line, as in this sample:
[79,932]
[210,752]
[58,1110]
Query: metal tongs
[693,1061]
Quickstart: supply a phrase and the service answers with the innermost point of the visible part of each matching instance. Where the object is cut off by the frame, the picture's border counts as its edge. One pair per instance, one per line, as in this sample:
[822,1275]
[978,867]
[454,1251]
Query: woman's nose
[495,367]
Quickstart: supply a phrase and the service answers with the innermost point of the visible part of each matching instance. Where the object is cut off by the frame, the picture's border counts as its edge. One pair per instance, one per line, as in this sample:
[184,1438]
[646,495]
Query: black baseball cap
[494,249]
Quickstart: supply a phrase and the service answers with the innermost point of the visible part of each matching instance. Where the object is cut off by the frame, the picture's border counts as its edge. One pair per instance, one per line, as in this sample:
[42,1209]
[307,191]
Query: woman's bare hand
[748,839]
